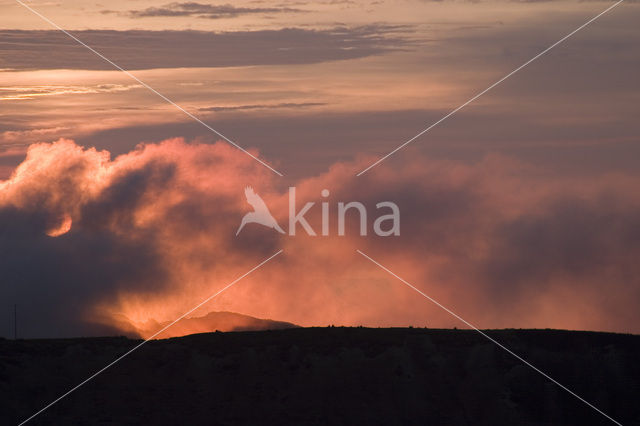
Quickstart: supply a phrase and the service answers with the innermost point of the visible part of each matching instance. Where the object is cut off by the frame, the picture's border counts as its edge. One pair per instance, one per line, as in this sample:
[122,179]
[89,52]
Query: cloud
[152,234]
[16,93]
[200,10]
[123,213]
[139,49]
[262,106]
[14,137]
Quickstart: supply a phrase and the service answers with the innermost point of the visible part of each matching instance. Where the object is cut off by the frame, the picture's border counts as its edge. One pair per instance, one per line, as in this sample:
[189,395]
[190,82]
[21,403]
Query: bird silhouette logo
[260,213]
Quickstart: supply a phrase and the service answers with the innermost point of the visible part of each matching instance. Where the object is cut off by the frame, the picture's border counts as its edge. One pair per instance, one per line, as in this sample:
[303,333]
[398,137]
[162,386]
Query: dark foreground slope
[326,376]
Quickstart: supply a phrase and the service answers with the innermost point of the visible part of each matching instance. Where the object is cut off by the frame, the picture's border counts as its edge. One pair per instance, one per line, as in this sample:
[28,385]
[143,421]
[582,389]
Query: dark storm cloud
[496,239]
[167,49]
[126,215]
[200,10]
[499,238]
[573,237]
[55,280]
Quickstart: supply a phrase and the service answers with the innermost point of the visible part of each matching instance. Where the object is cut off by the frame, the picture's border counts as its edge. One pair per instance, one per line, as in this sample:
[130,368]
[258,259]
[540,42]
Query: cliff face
[327,376]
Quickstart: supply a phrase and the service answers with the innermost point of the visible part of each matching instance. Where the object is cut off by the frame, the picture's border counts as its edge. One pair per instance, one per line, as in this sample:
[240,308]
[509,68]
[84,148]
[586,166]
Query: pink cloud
[499,242]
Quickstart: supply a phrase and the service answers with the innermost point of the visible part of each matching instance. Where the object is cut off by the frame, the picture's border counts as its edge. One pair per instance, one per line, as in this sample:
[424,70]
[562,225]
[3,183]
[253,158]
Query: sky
[118,209]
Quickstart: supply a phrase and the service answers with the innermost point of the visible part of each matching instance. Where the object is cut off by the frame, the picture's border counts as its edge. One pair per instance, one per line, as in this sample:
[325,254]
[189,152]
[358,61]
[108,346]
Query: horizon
[143,331]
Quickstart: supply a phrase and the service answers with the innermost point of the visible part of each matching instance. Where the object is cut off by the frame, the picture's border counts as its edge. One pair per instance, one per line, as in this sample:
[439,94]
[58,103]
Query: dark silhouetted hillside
[326,376]
[213,321]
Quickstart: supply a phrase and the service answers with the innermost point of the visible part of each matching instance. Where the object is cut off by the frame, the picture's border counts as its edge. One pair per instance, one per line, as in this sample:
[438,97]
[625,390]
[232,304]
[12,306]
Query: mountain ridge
[224,321]
[333,375]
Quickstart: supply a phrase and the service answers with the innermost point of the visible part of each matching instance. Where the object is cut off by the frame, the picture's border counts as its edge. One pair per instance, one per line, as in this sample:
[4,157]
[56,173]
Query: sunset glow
[521,211]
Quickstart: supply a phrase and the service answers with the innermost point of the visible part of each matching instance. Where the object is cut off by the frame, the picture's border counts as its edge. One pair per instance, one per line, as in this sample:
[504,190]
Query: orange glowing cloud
[144,237]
